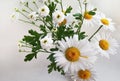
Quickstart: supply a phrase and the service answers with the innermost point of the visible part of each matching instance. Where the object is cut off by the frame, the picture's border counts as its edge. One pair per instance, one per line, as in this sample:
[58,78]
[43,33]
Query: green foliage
[32,40]
[52,7]
[68,10]
[63,32]
[53,65]
[29,57]
[81,35]
[54,49]
[57,1]
[78,16]
[43,28]
[91,13]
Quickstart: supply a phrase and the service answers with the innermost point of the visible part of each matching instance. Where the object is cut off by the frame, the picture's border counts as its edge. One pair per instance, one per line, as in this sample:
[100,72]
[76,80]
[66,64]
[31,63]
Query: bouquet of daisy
[62,32]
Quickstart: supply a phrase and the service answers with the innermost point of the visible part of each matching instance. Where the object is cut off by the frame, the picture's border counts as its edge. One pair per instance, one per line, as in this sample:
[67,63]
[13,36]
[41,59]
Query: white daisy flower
[58,16]
[90,20]
[105,44]
[106,22]
[69,19]
[84,75]
[74,54]
[33,16]
[47,42]
[43,11]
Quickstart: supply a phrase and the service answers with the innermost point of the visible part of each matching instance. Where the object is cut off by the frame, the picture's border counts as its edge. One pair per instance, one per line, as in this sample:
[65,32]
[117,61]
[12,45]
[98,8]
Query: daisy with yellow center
[58,16]
[90,20]
[68,20]
[46,42]
[74,54]
[84,75]
[33,16]
[43,11]
[105,44]
[106,22]
[88,16]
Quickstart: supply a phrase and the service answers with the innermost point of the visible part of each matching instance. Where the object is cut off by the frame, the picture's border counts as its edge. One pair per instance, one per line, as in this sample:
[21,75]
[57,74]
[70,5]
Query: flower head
[106,22]
[84,75]
[90,20]
[68,20]
[74,54]
[58,16]
[43,11]
[105,44]
[46,42]
[33,16]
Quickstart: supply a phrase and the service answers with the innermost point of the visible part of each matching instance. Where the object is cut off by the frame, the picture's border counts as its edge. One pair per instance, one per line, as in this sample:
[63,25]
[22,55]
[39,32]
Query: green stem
[45,51]
[26,46]
[95,33]
[28,22]
[43,22]
[29,8]
[80,25]
[85,7]
[23,14]
[80,5]
[23,10]
[61,5]
[79,28]
[36,5]
[24,51]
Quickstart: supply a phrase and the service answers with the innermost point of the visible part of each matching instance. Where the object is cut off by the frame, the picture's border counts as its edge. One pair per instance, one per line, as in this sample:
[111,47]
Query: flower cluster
[61,33]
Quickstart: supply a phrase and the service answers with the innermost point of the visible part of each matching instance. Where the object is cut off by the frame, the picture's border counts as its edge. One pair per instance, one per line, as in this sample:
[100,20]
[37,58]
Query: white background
[12,66]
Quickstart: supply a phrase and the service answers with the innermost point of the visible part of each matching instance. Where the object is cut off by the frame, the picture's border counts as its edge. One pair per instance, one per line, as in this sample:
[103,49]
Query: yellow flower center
[31,16]
[58,16]
[43,10]
[45,41]
[72,54]
[84,74]
[105,21]
[104,44]
[63,22]
[88,16]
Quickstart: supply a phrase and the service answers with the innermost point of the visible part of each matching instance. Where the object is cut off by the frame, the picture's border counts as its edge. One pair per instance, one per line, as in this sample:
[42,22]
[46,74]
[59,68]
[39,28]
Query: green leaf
[54,49]
[52,7]
[43,28]
[68,10]
[35,33]
[81,35]
[78,16]
[91,13]
[53,66]
[48,19]
[29,57]
[57,1]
